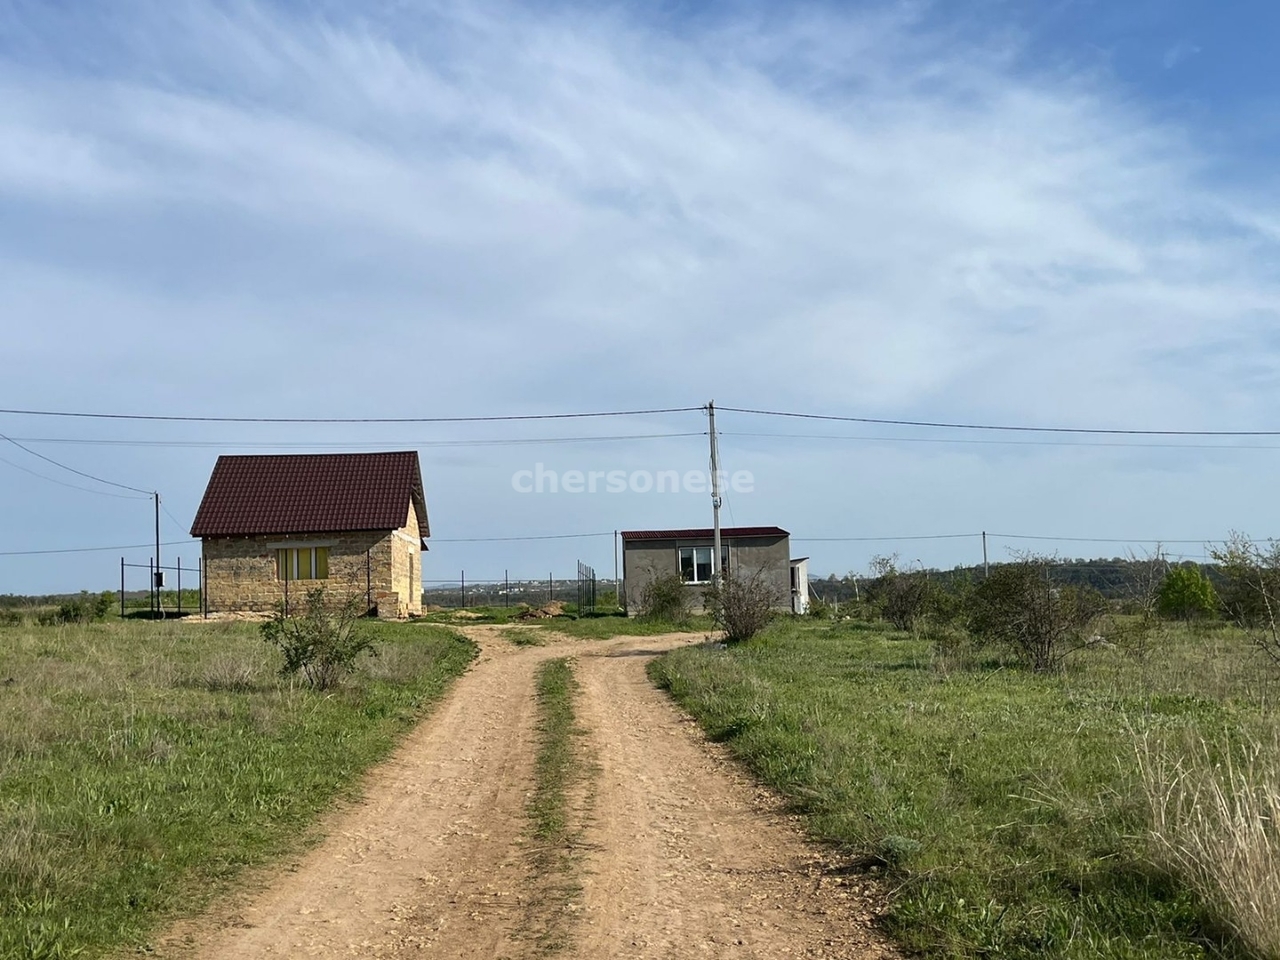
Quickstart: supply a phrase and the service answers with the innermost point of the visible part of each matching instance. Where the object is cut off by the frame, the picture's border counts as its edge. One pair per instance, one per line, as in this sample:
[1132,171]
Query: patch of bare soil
[681,855]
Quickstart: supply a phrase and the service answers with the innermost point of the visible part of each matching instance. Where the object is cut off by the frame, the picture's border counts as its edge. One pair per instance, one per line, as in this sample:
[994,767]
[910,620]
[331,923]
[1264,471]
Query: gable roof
[699,533]
[311,493]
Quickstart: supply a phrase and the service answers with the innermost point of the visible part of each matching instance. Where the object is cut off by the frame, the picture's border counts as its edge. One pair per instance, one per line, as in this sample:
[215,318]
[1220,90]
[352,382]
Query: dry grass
[1215,822]
[143,764]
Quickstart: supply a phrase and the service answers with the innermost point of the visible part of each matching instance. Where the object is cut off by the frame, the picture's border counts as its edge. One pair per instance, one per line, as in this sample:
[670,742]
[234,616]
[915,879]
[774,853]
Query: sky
[996,212]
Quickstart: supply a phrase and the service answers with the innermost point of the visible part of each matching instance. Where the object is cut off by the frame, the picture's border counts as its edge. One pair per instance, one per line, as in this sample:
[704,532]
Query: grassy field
[1004,808]
[143,765]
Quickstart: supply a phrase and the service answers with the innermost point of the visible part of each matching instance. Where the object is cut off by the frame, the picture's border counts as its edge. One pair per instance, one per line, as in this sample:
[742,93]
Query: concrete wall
[643,561]
[240,572]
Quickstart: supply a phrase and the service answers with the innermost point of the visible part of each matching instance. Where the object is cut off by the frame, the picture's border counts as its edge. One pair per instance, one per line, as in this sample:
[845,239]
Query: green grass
[1003,807]
[553,822]
[144,765]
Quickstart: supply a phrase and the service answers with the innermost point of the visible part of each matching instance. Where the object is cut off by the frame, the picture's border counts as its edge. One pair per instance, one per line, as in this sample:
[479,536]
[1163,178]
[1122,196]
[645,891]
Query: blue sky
[995,212]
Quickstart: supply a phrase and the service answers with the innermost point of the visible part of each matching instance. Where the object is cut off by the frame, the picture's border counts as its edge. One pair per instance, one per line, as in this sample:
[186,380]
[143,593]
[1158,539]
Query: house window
[302,563]
[695,563]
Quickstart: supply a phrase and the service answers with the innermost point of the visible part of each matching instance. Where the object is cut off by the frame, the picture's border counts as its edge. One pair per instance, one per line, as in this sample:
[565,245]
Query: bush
[1250,596]
[1185,593]
[902,598]
[85,608]
[741,606]
[323,642]
[1019,608]
[665,599]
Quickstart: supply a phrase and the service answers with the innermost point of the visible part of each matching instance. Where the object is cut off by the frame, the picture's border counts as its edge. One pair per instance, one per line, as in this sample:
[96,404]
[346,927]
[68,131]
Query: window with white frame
[695,563]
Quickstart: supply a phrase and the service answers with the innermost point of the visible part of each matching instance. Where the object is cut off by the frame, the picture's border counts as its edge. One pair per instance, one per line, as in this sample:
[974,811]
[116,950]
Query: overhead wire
[78,473]
[175,418]
[943,425]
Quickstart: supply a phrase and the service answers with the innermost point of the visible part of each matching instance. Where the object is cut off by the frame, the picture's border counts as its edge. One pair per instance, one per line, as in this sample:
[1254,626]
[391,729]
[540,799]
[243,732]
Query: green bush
[85,608]
[1020,609]
[665,599]
[1185,593]
[740,606]
[323,642]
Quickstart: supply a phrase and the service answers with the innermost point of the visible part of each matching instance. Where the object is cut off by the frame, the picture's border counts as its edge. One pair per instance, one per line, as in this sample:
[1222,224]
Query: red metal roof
[726,533]
[311,493]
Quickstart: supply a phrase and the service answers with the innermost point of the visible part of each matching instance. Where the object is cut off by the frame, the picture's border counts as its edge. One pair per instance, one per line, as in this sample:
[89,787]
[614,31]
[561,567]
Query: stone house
[745,552]
[274,527]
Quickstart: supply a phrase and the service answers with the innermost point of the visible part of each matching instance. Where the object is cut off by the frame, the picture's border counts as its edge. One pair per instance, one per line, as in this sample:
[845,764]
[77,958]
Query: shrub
[1213,823]
[1042,624]
[1185,593]
[1250,596]
[665,599]
[902,598]
[85,608]
[741,606]
[323,642]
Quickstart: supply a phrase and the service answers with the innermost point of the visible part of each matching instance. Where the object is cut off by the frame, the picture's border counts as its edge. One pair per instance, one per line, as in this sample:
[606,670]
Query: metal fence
[160,587]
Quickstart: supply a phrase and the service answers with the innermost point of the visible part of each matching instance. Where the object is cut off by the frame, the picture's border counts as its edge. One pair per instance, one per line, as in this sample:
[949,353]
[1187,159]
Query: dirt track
[682,855]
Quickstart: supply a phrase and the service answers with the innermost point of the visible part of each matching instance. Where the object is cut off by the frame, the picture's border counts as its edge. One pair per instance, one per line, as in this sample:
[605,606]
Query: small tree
[741,606]
[323,642]
[1185,593]
[1019,608]
[665,599]
[1250,596]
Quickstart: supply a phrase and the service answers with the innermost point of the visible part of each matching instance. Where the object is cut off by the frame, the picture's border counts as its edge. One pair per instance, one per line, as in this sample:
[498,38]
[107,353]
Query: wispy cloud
[818,208]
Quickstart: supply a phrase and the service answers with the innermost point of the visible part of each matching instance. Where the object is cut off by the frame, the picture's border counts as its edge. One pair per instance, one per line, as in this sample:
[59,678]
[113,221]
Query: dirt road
[682,855]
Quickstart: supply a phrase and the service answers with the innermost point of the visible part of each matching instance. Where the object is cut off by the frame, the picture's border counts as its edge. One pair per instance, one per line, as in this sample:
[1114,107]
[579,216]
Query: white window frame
[680,555]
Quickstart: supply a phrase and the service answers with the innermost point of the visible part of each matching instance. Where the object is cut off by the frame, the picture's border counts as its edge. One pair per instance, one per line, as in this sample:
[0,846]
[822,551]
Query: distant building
[274,527]
[745,552]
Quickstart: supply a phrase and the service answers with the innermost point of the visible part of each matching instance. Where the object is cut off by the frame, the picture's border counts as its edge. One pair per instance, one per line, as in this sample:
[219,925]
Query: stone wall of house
[404,594]
[240,572]
[383,566]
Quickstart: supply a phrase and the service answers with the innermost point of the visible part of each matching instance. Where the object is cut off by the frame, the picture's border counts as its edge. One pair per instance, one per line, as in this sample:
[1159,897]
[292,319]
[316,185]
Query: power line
[554,536]
[1006,427]
[477,419]
[127,546]
[216,444]
[1025,536]
[78,473]
[72,486]
[937,536]
[1008,443]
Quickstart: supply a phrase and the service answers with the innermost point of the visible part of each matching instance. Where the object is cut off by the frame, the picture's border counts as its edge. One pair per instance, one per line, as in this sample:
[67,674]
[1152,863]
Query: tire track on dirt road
[689,857]
[430,862]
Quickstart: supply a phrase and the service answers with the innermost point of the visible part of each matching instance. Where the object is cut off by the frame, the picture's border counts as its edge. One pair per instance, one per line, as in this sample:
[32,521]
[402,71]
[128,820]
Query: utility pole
[716,569]
[159,575]
[986,569]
